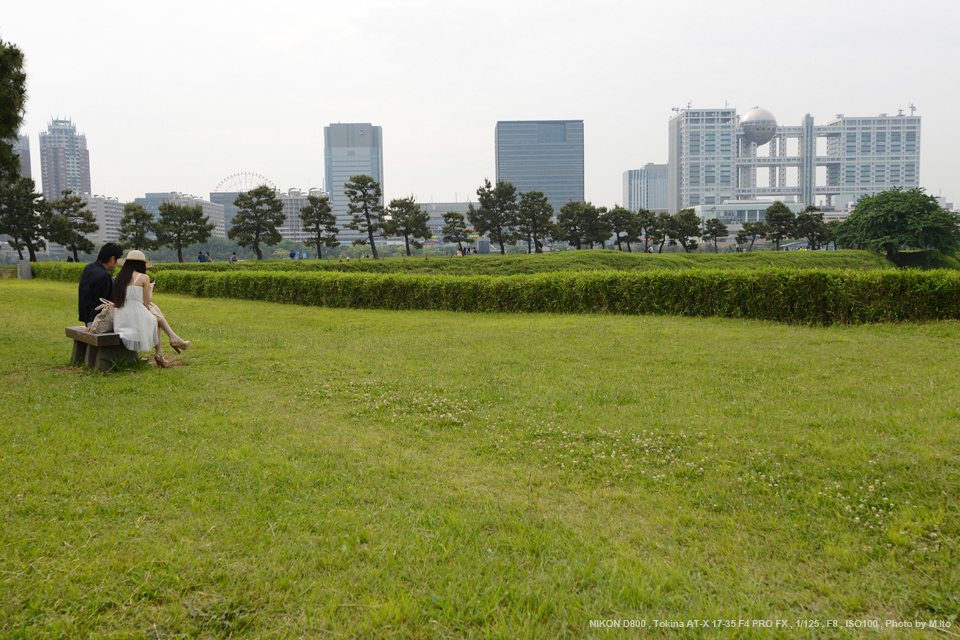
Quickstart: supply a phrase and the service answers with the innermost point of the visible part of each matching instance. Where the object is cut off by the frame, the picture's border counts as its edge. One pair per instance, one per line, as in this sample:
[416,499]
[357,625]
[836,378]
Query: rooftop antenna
[900,111]
[689,104]
[912,108]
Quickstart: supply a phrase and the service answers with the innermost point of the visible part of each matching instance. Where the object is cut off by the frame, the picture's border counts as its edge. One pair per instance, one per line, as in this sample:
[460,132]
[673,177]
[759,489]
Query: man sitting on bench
[96,282]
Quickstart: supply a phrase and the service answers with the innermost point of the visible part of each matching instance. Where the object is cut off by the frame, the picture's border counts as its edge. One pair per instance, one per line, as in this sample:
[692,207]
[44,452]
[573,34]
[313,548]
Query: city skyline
[437,78]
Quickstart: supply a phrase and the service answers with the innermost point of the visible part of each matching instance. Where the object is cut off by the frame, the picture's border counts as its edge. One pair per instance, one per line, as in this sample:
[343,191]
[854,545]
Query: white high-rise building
[64,160]
[213,211]
[715,157]
[646,188]
[294,200]
[109,213]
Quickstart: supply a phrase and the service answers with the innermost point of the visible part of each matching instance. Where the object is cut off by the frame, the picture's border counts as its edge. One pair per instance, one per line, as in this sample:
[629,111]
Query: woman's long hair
[123,280]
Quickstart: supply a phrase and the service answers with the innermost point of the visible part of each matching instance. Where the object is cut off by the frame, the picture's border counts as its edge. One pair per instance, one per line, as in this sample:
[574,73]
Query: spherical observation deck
[759,126]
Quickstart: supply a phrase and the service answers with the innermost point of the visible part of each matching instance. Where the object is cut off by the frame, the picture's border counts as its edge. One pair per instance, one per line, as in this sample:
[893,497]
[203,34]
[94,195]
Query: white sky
[176,96]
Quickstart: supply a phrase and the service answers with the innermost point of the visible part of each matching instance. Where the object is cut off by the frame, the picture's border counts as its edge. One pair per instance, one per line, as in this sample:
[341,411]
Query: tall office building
[714,157]
[702,152]
[542,155]
[21,147]
[64,160]
[646,188]
[350,150]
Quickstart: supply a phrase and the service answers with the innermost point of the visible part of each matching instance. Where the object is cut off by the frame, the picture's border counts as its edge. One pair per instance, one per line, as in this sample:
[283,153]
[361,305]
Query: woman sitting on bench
[135,319]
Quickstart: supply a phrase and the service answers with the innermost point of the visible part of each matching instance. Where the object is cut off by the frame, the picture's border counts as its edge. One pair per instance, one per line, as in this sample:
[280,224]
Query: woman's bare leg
[162,324]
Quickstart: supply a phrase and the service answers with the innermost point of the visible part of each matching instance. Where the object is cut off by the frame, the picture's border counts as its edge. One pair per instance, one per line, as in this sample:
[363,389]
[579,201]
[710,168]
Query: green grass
[312,472]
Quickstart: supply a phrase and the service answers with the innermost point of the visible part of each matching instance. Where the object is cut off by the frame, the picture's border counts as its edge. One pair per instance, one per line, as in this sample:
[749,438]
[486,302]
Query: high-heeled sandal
[180,345]
[161,361]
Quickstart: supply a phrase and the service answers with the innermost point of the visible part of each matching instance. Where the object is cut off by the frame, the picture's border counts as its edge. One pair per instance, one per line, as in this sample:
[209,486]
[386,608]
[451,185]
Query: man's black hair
[109,250]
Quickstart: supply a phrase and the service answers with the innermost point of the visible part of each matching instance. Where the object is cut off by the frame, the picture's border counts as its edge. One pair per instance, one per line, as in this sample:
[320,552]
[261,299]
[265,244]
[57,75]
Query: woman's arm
[147,291]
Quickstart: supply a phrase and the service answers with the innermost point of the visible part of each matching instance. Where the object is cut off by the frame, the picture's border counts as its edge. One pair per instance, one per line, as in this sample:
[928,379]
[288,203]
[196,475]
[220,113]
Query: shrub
[803,296]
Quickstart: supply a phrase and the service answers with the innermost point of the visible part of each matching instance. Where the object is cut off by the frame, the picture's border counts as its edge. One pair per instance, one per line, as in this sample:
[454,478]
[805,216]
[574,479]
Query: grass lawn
[311,472]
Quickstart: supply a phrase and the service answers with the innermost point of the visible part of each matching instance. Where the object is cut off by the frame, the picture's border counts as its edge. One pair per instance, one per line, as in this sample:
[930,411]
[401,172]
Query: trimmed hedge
[800,296]
[586,260]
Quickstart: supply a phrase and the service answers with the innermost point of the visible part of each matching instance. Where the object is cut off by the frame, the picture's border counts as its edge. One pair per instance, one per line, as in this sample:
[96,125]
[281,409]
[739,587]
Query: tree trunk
[373,247]
[179,253]
[406,240]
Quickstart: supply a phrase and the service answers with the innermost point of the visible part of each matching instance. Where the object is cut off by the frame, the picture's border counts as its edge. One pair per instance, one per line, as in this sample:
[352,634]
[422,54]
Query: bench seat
[98,350]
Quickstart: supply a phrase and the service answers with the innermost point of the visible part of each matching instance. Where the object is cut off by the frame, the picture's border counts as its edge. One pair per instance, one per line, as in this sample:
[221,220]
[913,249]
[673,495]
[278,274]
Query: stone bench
[98,350]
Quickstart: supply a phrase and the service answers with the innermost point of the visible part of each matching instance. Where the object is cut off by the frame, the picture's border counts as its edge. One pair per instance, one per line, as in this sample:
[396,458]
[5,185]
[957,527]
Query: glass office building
[349,150]
[646,188]
[542,155]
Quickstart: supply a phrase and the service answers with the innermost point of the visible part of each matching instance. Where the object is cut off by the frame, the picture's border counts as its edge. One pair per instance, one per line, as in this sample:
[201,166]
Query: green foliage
[533,220]
[810,225]
[795,296]
[750,231]
[136,227]
[659,230]
[366,207]
[895,220]
[714,230]
[319,223]
[68,222]
[926,260]
[13,96]
[520,264]
[20,218]
[685,229]
[781,222]
[496,216]
[455,229]
[180,226]
[647,221]
[625,227]
[260,213]
[581,224]
[406,219]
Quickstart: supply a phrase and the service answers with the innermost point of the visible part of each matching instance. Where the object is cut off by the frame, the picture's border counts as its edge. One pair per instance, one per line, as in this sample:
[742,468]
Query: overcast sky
[176,96]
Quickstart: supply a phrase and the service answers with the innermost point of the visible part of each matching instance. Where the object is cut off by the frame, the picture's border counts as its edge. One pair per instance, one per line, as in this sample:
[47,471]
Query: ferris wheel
[243,182]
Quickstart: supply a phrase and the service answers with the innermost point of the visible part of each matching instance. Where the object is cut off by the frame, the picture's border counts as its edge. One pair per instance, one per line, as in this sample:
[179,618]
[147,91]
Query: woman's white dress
[135,324]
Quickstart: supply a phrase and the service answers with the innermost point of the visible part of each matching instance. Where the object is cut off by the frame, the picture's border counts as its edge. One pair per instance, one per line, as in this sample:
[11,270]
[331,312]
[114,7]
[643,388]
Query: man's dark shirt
[95,283]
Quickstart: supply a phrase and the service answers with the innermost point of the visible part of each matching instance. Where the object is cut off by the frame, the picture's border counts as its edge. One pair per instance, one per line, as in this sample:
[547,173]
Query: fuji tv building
[718,161]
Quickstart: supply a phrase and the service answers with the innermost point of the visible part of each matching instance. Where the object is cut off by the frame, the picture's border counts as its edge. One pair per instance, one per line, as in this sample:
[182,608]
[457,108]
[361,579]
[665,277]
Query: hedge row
[586,260]
[800,296]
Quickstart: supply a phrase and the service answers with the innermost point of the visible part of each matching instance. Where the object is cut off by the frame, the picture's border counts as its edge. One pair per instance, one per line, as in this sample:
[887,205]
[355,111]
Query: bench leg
[109,355]
[79,352]
[91,356]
